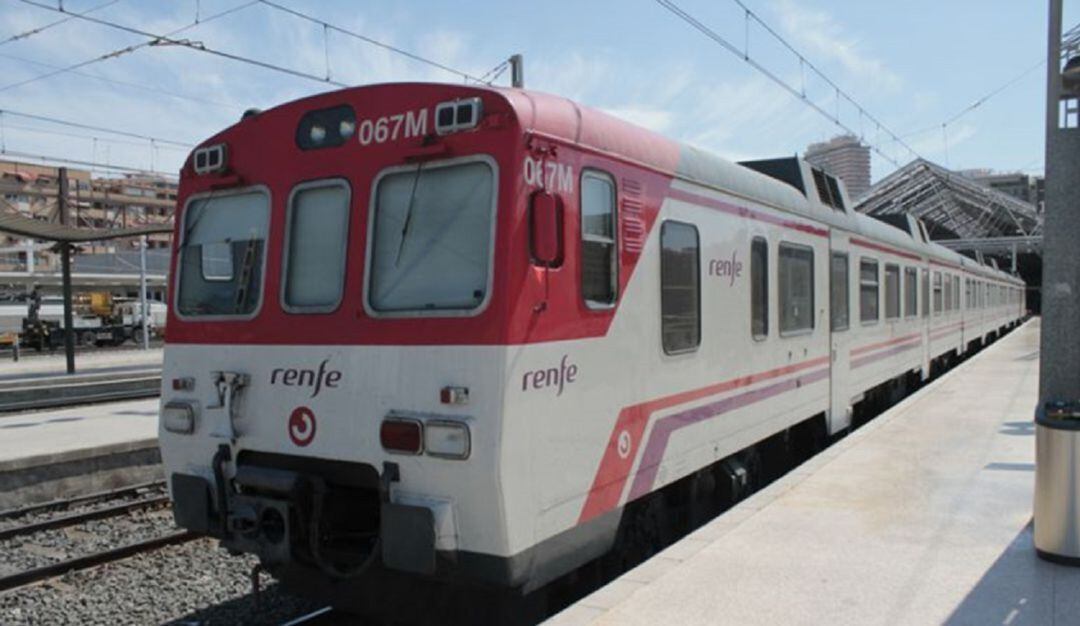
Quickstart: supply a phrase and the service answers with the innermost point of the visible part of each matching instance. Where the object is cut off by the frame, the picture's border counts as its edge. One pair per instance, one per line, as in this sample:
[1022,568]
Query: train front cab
[349,428]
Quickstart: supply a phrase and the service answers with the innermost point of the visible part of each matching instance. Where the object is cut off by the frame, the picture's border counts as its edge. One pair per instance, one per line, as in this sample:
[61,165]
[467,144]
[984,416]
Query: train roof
[788,184]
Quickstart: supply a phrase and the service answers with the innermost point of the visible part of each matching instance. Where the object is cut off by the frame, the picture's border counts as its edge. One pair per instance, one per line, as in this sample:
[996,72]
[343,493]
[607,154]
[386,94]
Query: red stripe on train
[625,439]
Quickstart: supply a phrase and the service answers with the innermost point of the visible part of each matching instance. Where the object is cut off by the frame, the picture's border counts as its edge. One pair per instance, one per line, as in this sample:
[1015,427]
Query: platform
[922,516]
[51,453]
[37,366]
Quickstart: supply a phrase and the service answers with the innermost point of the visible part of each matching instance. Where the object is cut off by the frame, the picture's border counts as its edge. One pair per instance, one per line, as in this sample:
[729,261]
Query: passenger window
[956,292]
[599,259]
[839,293]
[911,292]
[680,302]
[318,231]
[796,286]
[948,293]
[937,293]
[759,288]
[868,290]
[892,291]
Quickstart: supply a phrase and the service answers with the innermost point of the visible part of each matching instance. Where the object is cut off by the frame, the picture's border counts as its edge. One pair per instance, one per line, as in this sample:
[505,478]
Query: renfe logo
[302,426]
[550,377]
[724,267]
[307,378]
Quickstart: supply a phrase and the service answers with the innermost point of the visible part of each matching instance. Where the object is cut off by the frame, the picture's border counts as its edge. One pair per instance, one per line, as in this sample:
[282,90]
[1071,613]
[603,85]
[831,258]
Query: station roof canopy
[24,226]
[951,205]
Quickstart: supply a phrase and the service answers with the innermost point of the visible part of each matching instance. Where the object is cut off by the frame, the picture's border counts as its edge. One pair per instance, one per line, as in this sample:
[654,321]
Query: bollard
[1057,483]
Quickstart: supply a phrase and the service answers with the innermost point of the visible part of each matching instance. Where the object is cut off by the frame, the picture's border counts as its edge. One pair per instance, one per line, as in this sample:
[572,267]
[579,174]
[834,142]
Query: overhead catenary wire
[805,63]
[34,31]
[102,129]
[167,39]
[979,101]
[93,165]
[327,26]
[122,142]
[124,83]
[794,91]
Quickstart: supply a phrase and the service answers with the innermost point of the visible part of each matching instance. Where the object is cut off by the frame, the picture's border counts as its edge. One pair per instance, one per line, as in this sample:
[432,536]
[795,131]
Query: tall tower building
[845,158]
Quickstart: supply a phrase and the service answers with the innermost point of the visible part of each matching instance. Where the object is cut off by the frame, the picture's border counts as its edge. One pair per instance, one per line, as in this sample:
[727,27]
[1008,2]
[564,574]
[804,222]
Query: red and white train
[426,332]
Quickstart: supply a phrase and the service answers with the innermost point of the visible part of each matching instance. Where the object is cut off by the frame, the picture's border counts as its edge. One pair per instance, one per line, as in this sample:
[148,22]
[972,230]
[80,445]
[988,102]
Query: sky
[911,65]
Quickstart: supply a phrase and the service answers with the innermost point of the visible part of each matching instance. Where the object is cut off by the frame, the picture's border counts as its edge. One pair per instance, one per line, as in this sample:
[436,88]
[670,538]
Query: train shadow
[272,606]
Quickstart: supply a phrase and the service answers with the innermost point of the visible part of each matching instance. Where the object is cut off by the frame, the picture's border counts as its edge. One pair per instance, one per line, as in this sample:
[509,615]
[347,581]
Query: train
[422,334]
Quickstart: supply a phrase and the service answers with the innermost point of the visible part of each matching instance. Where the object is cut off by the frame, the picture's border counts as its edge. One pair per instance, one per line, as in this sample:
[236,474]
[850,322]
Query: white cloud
[820,36]
[657,120]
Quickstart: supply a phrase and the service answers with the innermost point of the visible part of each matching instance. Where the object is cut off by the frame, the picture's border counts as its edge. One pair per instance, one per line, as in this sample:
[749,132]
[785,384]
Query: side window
[947,297]
[318,231]
[911,292]
[599,252]
[839,292]
[956,292]
[796,286]
[926,293]
[680,286]
[868,290]
[892,291]
[759,288]
[937,293]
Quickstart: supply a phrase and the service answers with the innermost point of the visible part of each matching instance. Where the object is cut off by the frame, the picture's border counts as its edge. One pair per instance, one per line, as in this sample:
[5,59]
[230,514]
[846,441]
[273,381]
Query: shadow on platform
[1021,589]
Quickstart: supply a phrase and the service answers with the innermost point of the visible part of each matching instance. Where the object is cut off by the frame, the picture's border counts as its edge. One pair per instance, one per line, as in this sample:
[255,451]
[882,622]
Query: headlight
[447,439]
[179,417]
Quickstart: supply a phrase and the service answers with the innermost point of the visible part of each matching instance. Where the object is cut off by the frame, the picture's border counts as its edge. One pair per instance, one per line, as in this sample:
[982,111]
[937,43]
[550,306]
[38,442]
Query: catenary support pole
[1060,367]
[65,268]
[144,308]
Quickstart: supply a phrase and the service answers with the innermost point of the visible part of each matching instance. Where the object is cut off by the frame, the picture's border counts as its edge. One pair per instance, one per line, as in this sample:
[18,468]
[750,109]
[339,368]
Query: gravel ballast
[196,583]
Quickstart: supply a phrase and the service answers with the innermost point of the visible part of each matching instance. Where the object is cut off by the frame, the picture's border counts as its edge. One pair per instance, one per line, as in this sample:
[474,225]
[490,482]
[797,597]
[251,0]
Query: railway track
[55,391]
[60,568]
[55,516]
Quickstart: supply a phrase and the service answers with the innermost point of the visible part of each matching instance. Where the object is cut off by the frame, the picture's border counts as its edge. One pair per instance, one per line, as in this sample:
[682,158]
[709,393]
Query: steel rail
[119,492]
[60,568]
[63,521]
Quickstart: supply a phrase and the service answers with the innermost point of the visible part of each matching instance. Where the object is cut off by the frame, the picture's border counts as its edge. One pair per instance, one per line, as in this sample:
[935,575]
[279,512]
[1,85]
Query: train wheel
[87,339]
[642,534]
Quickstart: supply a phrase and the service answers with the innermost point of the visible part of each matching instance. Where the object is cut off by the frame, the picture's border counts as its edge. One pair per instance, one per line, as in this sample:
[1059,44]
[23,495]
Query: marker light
[318,133]
[179,417]
[458,115]
[447,439]
[402,436]
[210,159]
[346,128]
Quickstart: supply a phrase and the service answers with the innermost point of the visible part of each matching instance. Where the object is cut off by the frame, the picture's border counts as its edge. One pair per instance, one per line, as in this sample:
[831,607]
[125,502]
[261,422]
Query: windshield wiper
[408,214]
[241,290]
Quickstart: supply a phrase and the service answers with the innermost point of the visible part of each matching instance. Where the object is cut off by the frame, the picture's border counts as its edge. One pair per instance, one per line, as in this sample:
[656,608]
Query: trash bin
[1057,482]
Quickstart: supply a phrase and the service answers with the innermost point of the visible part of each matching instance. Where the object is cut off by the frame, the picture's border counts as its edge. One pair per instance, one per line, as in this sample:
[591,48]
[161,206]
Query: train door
[924,307]
[842,284]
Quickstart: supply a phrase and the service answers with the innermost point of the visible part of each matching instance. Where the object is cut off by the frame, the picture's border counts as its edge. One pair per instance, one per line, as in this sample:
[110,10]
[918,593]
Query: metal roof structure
[24,226]
[951,205]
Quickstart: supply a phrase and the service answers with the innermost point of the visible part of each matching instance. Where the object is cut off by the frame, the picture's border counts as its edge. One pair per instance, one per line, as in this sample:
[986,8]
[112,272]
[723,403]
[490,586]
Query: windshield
[221,257]
[432,237]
